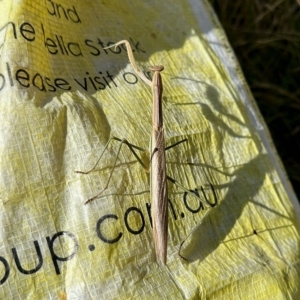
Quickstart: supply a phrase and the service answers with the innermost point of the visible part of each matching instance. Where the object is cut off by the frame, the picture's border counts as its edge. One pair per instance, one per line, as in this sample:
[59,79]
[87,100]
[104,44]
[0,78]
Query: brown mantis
[159,194]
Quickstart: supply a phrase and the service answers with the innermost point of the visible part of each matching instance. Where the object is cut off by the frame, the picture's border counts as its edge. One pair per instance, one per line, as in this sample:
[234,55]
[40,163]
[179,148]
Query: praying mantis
[157,166]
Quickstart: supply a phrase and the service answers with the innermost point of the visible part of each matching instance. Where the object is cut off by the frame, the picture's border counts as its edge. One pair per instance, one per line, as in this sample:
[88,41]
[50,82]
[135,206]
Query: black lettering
[7,270]
[128,211]
[111,78]
[74,48]
[40,259]
[170,205]
[130,78]
[96,52]
[62,84]
[106,82]
[214,193]
[38,82]
[92,82]
[58,7]
[56,258]
[99,232]
[53,13]
[3,81]
[13,27]
[49,44]
[148,207]
[75,18]
[21,76]
[48,82]
[84,85]
[59,11]
[61,44]
[27,32]
[102,45]
[9,74]
[196,210]
[137,46]
[98,80]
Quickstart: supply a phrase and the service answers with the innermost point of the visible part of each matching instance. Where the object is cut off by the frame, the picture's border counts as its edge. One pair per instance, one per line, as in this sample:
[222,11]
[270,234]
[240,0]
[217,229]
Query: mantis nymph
[159,194]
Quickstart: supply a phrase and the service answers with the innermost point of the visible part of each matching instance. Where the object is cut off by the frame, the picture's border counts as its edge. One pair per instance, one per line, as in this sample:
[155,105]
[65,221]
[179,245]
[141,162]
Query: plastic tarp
[63,96]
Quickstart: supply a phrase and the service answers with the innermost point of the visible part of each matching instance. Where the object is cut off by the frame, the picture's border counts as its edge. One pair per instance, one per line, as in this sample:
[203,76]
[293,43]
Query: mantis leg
[122,142]
[177,143]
